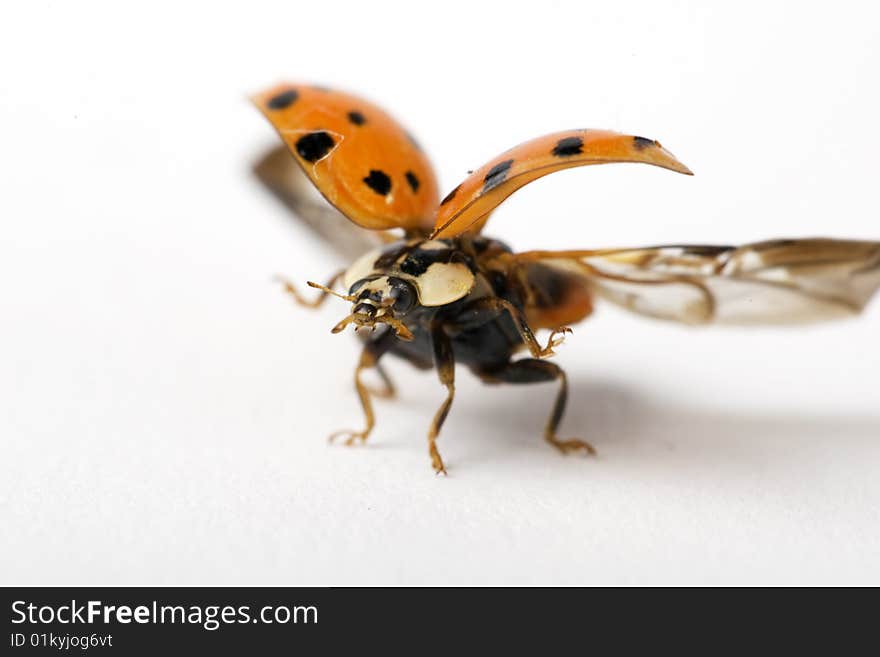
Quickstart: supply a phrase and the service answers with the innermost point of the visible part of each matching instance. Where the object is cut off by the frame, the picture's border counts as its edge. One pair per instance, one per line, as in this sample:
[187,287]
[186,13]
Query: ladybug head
[379,300]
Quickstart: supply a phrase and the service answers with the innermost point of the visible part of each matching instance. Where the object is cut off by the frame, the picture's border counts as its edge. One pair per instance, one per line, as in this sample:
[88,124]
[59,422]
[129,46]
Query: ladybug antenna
[327,290]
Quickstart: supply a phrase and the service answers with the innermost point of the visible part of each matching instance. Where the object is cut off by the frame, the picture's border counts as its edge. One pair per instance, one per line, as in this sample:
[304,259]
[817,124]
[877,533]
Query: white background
[165,407]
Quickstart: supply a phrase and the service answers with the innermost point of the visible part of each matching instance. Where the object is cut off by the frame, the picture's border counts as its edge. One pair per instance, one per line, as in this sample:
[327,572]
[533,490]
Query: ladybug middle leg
[533,370]
[477,312]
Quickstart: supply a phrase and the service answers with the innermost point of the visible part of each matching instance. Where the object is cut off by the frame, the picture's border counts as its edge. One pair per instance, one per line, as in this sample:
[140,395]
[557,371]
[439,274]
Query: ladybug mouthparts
[366,313]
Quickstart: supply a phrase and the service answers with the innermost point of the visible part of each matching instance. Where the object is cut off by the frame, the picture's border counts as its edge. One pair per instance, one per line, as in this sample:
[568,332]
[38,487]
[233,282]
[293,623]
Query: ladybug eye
[403,294]
[357,286]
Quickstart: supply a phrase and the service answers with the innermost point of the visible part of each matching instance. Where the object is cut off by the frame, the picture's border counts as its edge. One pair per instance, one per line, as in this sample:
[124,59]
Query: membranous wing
[774,282]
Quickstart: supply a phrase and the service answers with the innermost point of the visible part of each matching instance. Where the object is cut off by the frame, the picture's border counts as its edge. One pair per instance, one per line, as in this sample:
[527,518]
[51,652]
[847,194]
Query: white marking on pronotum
[442,283]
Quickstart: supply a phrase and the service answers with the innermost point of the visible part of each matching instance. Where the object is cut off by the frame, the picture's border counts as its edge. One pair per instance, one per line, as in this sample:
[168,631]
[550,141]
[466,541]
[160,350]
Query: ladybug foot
[571,445]
[556,339]
[351,438]
[436,461]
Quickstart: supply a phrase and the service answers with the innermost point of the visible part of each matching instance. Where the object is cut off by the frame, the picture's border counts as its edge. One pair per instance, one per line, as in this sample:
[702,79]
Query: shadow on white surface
[629,425]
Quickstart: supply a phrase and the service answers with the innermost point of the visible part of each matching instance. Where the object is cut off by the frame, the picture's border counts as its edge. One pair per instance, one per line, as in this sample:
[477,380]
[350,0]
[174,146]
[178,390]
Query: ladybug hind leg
[533,370]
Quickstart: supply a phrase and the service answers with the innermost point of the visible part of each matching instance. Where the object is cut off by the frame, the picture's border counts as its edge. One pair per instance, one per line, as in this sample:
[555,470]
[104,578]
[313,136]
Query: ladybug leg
[532,370]
[370,356]
[499,305]
[444,362]
[388,389]
[301,300]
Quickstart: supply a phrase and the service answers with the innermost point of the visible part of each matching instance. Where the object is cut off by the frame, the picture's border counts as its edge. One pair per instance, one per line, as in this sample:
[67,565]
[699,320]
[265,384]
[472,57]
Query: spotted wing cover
[281,175]
[467,206]
[774,282]
[358,157]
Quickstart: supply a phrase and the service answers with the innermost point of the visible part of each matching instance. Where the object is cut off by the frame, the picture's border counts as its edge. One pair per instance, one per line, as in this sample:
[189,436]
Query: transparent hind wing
[774,282]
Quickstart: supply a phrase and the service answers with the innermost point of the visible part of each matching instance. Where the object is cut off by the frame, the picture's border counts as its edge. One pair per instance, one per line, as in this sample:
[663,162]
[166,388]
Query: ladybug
[437,291]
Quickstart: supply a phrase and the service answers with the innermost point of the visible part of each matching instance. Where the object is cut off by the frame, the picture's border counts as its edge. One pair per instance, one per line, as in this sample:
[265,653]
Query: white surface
[165,407]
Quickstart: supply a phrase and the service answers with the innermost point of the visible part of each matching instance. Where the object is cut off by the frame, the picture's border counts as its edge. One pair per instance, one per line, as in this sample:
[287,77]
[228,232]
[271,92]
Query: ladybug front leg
[372,352]
[309,303]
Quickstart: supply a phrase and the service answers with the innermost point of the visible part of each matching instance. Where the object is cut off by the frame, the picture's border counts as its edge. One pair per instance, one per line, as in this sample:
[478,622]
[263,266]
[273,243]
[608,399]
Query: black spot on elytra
[315,145]
[450,195]
[412,180]
[641,143]
[378,181]
[356,117]
[496,175]
[568,146]
[283,100]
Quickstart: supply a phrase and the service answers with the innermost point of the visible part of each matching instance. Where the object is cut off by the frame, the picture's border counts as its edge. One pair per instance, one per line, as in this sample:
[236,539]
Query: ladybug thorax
[434,269]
